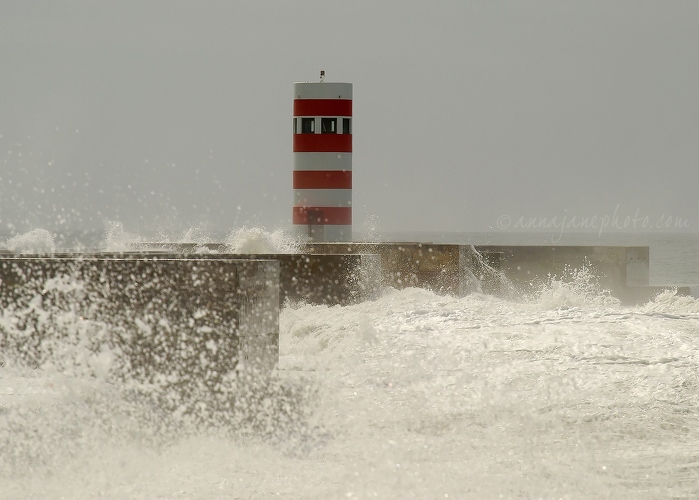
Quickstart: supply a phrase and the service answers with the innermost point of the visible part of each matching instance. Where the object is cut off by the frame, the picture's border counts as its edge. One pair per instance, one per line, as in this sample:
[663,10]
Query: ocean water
[566,394]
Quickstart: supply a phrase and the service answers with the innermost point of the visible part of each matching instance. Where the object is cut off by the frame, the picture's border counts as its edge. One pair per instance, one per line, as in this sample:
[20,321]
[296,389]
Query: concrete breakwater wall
[328,278]
[338,279]
[190,323]
[624,271]
[332,279]
[443,268]
[346,273]
[504,269]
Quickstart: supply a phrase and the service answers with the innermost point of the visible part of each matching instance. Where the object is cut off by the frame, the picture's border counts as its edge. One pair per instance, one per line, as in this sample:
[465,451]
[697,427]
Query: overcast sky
[170,114]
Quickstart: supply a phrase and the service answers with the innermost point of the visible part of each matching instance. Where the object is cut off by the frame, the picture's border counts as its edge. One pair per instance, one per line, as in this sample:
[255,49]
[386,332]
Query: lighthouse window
[328,125]
[346,127]
[308,125]
[296,129]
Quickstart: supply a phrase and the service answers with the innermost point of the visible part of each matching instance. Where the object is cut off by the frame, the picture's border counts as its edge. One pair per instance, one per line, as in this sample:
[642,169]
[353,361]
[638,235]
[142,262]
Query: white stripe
[325,90]
[326,232]
[323,161]
[322,197]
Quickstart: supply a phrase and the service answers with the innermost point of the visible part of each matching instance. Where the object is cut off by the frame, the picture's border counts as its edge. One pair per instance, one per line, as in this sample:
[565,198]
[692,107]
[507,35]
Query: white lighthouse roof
[322,90]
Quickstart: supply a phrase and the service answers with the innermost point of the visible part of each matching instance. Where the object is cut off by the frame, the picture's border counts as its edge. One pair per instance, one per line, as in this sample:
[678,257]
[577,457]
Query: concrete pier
[443,268]
[346,273]
[328,278]
[189,320]
[506,269]
[615,268]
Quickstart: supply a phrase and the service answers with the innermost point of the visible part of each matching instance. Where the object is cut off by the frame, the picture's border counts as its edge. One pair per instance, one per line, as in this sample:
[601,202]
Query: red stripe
[333,216]
[322,107]
[322,179]
[322,143]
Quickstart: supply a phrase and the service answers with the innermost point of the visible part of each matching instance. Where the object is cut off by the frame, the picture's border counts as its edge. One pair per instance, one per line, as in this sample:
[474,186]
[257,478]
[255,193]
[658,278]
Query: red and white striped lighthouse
[323,160]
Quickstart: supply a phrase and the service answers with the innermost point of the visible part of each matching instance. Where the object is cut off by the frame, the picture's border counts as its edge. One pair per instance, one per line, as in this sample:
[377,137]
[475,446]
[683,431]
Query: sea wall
[444,268]
[329,278]
[506,270]
[615,268]
[169,321]
[336,279]
[346,273]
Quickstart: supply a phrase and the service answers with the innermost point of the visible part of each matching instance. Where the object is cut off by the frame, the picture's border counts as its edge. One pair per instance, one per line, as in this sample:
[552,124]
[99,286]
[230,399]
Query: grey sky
[167,114]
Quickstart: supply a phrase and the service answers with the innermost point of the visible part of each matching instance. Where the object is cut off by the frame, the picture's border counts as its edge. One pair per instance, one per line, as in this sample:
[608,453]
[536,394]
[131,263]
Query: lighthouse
[322,145]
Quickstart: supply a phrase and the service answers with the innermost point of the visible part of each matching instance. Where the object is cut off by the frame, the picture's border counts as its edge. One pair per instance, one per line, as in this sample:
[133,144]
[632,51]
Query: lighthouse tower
[323,160]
